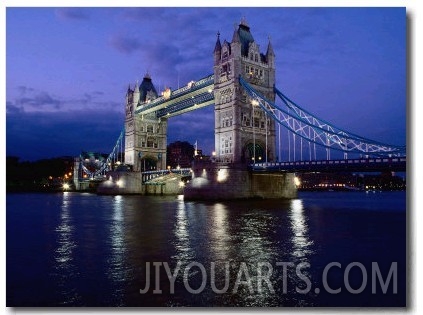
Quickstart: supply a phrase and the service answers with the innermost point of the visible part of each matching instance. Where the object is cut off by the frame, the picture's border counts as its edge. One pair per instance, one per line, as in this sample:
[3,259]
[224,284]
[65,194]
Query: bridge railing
[150,175]
[362,163]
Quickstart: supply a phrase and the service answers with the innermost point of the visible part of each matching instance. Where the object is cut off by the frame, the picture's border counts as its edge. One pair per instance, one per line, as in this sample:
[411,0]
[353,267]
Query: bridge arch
[248,152]
[148,163]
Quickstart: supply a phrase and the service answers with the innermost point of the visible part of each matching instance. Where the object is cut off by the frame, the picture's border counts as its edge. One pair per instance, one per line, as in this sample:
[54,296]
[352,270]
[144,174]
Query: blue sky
[67,69]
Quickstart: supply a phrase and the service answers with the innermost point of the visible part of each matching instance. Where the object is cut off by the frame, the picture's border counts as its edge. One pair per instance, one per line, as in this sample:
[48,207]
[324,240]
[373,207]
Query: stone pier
[125,183]
[214,181]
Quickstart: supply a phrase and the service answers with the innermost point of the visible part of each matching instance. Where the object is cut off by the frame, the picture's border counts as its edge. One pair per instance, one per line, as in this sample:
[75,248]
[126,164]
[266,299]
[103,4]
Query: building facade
[243,132]
[145,135]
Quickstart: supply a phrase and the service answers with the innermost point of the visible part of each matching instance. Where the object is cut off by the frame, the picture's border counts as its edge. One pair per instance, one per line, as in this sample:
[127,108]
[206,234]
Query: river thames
[322,249]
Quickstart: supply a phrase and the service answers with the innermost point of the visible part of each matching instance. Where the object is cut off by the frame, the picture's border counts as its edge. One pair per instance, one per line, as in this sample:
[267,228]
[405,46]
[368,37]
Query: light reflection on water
[301,243]
[101,245]
[117,261]
[65,268]
[182,243]
[219,233]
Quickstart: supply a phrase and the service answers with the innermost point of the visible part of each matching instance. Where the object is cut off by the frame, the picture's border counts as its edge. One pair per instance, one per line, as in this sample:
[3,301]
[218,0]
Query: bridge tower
[243,131]
[145,135]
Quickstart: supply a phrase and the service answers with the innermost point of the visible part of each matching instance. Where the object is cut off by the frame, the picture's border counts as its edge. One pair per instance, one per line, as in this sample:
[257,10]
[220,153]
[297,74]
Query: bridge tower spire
[243,132]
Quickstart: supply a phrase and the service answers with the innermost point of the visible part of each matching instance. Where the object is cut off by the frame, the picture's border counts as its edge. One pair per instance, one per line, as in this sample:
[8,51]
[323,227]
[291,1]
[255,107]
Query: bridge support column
[76,173]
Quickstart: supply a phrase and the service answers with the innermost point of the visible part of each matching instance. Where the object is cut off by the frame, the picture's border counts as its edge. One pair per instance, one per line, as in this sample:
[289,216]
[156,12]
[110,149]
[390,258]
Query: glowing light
[66,186]
[120,183]
[297,181]
[254,102]
[181,184]
[222,175]
[204,173]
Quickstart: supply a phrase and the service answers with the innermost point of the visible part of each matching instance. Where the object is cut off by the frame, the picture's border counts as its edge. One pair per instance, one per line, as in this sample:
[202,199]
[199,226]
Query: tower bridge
[249,115]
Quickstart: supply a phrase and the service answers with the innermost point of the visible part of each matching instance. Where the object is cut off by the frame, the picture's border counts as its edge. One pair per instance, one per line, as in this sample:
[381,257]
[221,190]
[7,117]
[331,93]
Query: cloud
[72,14]
[38,99]
[12,109]
[125,44]
[36,135]
[33,100]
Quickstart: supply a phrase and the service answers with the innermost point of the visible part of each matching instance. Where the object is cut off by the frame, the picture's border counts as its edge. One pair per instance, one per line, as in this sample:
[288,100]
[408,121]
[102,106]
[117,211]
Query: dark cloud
[12,109]
[39,135]
[143,14]
[30,99]
[24,89]
[125,44]
[72,14]
[39,99]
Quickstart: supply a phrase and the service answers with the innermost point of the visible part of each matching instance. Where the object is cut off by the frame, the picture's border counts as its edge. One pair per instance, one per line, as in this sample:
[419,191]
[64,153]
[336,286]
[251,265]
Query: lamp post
[254,103]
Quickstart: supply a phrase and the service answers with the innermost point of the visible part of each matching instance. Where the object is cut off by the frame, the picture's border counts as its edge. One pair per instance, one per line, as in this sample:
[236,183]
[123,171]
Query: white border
[414,12]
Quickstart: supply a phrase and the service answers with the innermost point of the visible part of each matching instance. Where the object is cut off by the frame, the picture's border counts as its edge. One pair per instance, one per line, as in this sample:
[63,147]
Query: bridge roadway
[192,96]
[150,175]
[380,164]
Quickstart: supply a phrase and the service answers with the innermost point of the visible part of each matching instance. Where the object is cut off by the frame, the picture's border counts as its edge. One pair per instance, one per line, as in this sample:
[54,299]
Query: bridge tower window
[150,128]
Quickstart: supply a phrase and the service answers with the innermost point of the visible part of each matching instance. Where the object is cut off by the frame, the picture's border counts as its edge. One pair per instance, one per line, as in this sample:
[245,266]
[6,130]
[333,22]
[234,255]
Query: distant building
[180,153]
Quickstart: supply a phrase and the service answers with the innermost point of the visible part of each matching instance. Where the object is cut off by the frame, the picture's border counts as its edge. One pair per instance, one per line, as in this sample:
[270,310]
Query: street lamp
[254,103]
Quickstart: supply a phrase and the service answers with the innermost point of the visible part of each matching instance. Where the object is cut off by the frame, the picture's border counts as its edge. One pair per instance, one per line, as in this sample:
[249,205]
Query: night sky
[68,69]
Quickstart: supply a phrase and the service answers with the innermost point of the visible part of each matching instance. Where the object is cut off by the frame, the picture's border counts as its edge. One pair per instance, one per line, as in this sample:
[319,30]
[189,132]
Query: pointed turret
[129,95]
[136,94]
[217,49]
[236,42]
[270,55]
[218,46]
[235,36]
[270,51]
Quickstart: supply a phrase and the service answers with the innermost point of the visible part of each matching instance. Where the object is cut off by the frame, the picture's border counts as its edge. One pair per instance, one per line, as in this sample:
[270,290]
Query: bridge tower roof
[147,86]
[243,35]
